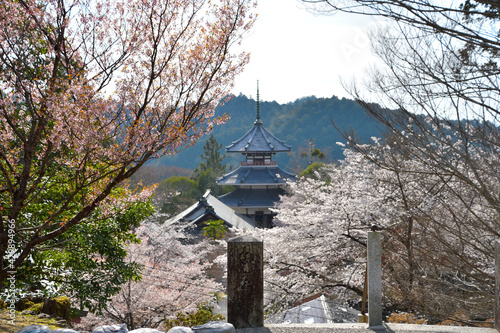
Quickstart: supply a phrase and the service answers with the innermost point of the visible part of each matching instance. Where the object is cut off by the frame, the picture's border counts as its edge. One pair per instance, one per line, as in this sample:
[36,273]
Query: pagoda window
[259,160]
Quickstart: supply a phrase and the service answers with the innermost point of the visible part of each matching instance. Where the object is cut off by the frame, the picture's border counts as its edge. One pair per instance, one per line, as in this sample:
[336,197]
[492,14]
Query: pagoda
[259,180]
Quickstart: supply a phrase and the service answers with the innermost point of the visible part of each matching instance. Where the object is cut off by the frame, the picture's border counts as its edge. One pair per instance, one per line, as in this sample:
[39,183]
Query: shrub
[214,229]
[405,318]
[24,304]
[203,315]
[36,308]
[458,319]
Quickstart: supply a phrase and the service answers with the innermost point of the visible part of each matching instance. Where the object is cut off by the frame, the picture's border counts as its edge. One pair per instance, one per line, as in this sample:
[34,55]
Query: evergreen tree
[212,159]
[211,167]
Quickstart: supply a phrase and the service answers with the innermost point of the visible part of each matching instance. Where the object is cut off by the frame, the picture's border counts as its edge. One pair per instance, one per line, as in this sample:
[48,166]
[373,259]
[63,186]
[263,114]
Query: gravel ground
[360,328]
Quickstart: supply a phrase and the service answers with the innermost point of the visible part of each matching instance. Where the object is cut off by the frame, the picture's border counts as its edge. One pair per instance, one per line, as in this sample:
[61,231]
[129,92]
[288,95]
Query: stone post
[497,285]
[374,253]
[245,282]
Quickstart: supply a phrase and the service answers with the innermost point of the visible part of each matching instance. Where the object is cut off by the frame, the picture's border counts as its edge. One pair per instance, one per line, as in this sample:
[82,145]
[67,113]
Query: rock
[62,322]
[24,304]
[145,330]
[214,326]
[118,328]
[29,312]
[180,329]
[58,307]
[43,316]
[63,330]
[34,329]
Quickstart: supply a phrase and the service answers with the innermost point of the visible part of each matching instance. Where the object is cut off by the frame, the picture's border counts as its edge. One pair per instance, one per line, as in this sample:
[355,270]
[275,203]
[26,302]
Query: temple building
[259,179]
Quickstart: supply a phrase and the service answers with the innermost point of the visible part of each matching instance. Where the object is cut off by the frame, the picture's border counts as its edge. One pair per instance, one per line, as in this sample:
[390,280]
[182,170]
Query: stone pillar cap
[245,239]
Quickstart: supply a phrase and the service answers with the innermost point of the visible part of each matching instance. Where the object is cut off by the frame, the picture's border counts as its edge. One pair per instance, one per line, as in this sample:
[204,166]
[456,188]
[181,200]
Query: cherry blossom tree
[471,21]
[440,95]
[319,242]
[438,238]
[174,279]
[92,90]
[442,244]
[436,93]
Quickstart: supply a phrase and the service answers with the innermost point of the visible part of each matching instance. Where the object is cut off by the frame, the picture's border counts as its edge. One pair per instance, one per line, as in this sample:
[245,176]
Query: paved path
[360,328]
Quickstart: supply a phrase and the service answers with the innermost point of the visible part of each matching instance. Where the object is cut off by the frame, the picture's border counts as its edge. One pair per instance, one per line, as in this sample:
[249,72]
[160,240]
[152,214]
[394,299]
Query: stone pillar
[245,282]
[497,285]
[374,253]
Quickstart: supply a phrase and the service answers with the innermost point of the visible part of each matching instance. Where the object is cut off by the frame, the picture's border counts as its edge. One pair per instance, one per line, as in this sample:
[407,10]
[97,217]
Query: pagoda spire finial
[257,120]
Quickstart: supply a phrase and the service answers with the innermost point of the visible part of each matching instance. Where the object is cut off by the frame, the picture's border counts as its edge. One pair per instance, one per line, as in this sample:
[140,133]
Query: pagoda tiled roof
[258,140]
[252,198]
[256,175]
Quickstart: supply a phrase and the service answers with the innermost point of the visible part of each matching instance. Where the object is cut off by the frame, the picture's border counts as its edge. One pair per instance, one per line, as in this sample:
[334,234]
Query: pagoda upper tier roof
[256,175]
[252,198]
[258,140]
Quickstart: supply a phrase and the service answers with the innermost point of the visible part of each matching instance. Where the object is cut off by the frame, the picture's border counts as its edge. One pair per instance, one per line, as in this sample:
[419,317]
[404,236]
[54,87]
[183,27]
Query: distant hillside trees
[211,167]
[155,173]
[175,194]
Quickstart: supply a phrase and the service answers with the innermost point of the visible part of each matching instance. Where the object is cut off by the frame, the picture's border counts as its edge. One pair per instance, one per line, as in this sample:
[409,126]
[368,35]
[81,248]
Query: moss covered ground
[22,320]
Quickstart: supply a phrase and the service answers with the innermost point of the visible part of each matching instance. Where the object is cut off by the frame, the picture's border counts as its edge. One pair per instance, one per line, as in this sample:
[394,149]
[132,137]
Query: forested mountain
[295,123]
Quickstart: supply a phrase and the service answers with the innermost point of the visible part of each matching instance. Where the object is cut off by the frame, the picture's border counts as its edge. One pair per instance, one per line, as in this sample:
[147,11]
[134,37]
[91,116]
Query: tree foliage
[175,194]
[90,91]
[314,170]
[318,154]
[89,262]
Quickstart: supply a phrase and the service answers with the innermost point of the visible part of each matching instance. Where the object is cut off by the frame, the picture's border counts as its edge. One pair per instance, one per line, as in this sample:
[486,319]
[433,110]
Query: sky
[295,53]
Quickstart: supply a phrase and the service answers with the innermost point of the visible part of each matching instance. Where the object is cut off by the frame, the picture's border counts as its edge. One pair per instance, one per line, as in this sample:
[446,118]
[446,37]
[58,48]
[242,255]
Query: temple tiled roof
[208,207]
[256,175]
[258,140]
[251,198]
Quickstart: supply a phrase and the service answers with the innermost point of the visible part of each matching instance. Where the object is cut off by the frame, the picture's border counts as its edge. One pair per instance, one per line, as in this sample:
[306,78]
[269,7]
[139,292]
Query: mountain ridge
[295,123]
